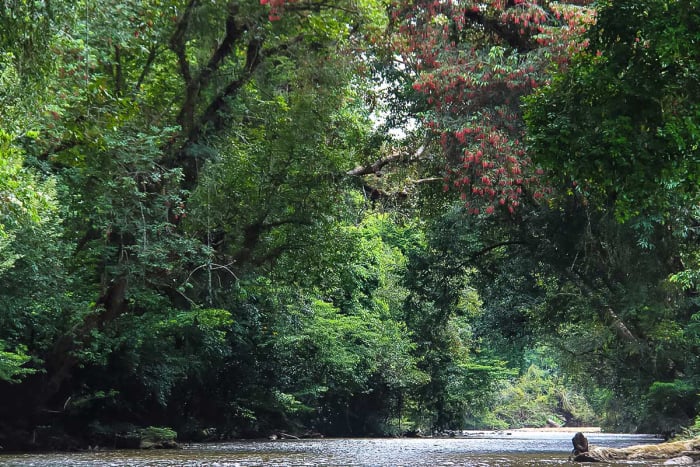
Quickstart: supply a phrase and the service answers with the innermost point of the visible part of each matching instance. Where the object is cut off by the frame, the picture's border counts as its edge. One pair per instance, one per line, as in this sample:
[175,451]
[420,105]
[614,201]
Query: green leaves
[670,404]
[180,241]
[12,365]
[623,121]
[24,200]
[539,395]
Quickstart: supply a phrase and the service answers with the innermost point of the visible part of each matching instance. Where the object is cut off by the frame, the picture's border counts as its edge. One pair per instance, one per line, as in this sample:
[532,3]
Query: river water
[482,449]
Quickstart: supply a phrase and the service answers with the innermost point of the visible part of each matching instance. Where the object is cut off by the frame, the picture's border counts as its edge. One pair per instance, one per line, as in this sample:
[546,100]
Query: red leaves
[473,83]
[276,8]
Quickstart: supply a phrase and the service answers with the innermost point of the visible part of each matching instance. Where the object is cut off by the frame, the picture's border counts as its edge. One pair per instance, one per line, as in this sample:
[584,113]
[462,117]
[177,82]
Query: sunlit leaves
[540,395]
[12,365]
[24,199]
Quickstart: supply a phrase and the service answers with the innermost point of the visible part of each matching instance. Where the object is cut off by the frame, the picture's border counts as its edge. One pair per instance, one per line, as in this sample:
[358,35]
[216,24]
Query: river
[474,449]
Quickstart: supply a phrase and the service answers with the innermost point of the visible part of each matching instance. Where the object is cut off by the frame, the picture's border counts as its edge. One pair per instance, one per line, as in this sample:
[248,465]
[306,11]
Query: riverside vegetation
[234,218]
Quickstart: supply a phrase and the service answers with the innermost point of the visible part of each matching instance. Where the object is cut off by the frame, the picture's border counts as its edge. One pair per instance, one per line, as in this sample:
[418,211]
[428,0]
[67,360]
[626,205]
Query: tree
[147,115]
[620,130]
[324,349]
[184,242]
[538,397]
[622,123]
[469,64]
[27,208]
[441,311]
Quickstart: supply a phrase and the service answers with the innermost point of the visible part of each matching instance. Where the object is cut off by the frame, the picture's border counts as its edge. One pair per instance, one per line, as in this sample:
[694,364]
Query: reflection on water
[474,450]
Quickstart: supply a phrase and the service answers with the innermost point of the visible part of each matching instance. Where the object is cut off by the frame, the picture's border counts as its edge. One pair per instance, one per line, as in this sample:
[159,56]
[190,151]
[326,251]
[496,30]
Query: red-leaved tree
[471,62]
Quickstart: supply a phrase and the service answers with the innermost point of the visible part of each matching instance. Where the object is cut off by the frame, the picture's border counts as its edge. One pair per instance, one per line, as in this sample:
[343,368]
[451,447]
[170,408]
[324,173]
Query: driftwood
[584,453]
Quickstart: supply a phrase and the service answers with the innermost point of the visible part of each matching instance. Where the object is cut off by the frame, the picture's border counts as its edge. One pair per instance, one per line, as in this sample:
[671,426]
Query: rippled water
[483,449]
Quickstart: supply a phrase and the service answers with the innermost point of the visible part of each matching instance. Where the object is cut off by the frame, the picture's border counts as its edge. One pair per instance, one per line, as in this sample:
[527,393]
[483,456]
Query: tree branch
[233,33]
[619,326]
[252,235]
[212,116]
[420,181]
[152,54]
[377,166]
[178,43]
[489,248]
[62,359]
[118,75]
[507,33]
[194,84]
[605,311]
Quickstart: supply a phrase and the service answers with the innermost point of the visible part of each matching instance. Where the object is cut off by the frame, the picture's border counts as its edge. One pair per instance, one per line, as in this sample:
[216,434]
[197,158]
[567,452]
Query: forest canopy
[357,217]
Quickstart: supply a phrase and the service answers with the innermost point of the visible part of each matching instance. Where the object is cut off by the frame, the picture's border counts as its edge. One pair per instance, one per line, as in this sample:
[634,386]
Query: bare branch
[619,326]
[606,312]
[426,180]
[378,165]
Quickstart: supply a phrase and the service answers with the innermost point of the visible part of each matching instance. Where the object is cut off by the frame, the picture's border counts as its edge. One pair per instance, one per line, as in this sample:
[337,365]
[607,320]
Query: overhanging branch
[376,167]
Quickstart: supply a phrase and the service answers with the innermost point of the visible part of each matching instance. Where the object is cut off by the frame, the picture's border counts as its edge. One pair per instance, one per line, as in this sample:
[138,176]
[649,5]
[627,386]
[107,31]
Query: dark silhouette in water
[580,444]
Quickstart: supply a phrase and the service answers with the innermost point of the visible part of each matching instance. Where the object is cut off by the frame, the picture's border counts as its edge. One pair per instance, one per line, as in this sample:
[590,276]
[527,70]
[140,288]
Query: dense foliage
[619,133]
[245,217]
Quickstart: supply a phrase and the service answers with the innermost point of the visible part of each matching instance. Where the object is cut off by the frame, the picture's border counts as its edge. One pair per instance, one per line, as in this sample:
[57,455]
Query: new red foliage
[472,62]
[276,8]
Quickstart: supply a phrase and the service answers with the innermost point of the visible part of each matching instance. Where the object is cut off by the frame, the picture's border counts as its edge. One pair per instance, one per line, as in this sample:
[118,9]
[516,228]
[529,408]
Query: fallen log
[687,448]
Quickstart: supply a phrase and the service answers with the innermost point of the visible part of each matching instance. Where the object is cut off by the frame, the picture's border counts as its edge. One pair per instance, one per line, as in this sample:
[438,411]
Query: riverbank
[563,429]
[539,432]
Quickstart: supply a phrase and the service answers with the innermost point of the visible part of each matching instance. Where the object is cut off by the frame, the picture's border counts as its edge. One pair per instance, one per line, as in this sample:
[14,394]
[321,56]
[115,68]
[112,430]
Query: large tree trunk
[62,361]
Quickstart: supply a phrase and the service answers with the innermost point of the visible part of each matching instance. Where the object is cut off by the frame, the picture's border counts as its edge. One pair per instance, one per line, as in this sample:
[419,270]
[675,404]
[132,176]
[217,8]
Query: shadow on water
[474,449]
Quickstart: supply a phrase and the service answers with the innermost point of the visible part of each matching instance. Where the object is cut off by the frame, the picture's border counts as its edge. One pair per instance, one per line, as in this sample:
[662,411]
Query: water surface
[473,449]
